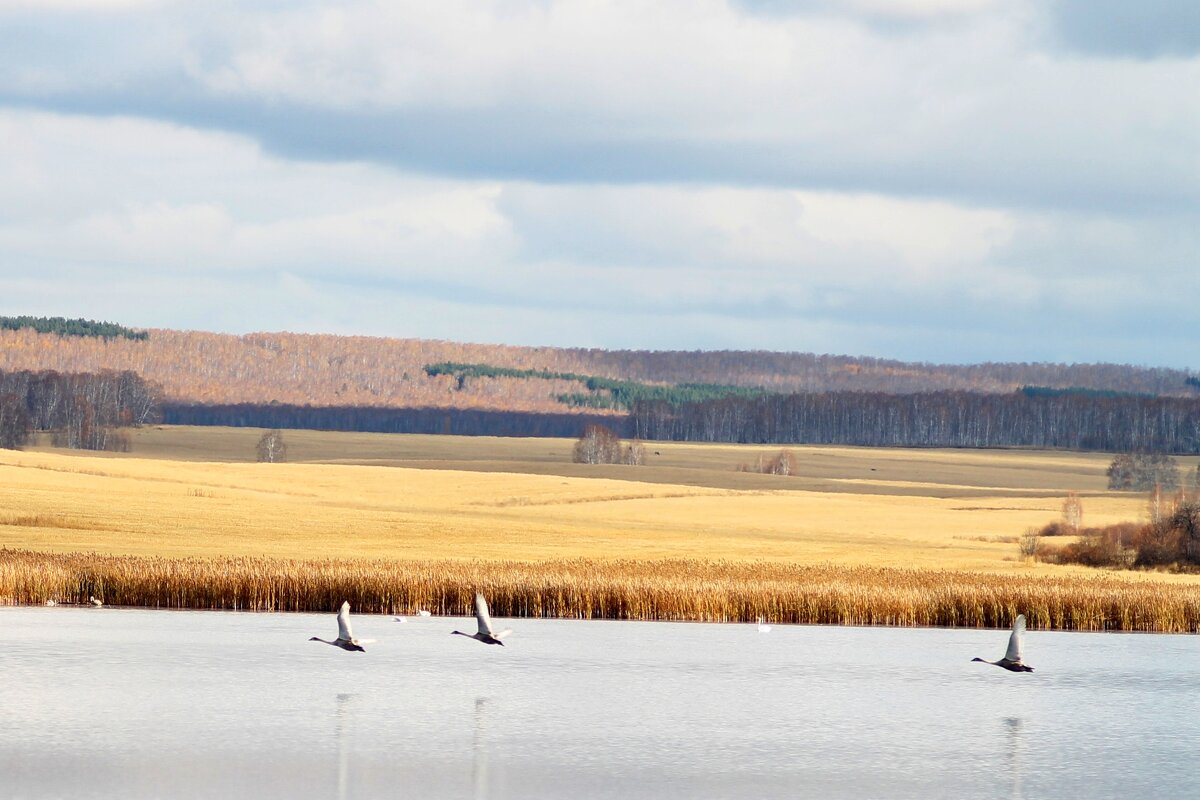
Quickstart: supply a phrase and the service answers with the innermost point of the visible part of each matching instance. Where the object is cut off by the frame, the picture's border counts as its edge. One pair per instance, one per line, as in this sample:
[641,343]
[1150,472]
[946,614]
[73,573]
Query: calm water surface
[103,703]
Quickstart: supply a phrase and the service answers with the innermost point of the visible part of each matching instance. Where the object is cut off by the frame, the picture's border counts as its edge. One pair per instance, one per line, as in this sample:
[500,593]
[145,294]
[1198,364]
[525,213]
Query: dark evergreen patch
[72,327]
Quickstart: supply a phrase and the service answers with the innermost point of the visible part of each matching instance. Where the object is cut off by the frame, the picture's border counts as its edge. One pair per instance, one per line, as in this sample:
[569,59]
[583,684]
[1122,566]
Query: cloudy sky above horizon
[930,180]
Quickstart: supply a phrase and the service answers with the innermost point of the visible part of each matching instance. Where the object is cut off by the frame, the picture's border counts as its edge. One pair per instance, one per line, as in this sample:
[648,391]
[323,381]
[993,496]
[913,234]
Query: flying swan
[345,639]
[1012,659]
[485,634]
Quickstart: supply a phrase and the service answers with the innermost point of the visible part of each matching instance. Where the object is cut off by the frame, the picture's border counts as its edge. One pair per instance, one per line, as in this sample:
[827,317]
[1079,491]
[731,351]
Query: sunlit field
[522,499]
[425,501]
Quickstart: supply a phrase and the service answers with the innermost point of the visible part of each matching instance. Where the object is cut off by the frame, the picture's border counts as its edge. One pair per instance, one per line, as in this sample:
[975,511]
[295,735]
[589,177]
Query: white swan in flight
[1012,659]
[345,639]
[485,634]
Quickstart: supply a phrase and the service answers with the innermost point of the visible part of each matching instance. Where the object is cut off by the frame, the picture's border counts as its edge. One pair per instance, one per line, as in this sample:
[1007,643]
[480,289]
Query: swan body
[423,613]
[485,633]
[95,603]
[1012,658]
[345,639]
[763,627]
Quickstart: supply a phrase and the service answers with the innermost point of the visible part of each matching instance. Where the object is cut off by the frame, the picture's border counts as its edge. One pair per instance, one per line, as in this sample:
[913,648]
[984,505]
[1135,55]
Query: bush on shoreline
[1170,539]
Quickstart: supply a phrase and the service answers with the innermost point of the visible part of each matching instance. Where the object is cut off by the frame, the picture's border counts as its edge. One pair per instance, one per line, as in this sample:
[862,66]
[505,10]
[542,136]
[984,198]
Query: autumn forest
[411,385]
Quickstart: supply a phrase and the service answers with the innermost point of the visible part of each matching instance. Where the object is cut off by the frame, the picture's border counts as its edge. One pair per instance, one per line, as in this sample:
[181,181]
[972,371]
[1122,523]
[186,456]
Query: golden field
[419,505]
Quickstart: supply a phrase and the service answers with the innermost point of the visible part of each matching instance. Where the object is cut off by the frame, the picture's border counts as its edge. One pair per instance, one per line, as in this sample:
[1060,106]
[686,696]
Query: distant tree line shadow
[1072,421]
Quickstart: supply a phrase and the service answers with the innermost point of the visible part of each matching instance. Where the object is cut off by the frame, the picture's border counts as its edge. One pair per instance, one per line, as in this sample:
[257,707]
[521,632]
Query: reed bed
[712,591]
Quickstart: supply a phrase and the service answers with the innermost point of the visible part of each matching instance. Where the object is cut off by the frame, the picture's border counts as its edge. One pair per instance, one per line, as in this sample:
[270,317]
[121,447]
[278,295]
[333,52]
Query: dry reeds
[591,589]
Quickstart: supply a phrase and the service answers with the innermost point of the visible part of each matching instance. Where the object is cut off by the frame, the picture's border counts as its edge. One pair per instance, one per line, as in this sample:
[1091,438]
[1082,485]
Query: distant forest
[71,327]
[1069,420]
[282,380]
[194,367]
[934,419]
[604,393]
[81,410]
[447,421]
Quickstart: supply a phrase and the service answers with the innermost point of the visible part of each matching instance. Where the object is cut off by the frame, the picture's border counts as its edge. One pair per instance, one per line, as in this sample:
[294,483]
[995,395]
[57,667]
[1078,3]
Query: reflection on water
[147,704]
[479,749]
[1014,745]
[342,715]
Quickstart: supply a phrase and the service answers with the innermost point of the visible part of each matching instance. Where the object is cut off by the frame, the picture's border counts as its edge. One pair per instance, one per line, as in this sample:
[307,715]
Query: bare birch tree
[271,448]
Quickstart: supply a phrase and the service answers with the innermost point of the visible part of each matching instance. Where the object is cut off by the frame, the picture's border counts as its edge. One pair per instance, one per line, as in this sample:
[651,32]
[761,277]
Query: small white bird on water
[763,627]
[423,613]
[1012,658]
[484,620]
[345,639]
[96,603]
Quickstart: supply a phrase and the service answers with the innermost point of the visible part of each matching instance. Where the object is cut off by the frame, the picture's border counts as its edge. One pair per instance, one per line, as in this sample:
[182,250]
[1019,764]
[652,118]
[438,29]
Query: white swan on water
[484,621]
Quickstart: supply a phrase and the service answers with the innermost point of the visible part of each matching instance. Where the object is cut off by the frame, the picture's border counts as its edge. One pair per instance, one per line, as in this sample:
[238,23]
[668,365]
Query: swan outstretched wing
[502,633]
[481,615]
[344,622]
[1014,641]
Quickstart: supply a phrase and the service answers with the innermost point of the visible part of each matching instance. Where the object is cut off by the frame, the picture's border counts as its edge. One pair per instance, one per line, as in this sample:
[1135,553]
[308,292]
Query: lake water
[106,703]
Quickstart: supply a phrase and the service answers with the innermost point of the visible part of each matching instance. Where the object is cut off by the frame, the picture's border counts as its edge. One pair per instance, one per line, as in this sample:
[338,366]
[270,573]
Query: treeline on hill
[72,327]
[601,392]
[81,410]
[197,367]
[1076,421]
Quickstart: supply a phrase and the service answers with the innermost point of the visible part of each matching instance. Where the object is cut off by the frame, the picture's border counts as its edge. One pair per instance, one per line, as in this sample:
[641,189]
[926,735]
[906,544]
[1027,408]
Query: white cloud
[982,110]
[130,192]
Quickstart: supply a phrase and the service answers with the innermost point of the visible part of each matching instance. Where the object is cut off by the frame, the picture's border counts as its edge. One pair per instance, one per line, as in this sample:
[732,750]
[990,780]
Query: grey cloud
[1037,143]
[1031,169]
[1143,29]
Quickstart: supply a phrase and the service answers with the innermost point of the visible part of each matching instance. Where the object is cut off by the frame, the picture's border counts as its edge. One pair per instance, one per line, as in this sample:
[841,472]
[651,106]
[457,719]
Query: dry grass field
[198,492]
[426,500]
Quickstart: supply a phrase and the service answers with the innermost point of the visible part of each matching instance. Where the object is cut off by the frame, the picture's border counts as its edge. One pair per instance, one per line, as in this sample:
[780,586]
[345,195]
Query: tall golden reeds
[589,589]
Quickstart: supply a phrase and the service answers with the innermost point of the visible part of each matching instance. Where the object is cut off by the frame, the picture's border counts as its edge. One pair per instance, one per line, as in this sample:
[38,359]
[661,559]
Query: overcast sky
[932,180]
